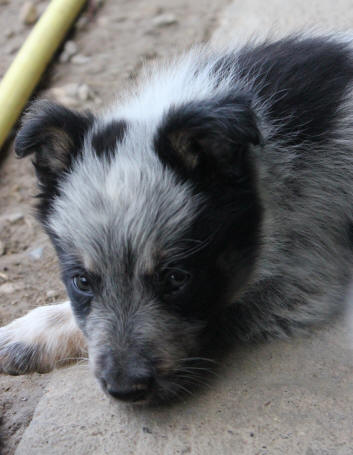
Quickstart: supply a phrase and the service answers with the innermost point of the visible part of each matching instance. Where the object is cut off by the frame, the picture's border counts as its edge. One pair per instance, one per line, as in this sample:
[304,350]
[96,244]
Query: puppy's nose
[133,392]
[128,386]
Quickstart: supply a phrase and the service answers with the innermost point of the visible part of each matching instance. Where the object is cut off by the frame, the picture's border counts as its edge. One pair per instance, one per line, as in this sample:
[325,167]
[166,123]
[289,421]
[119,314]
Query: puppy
[216,199]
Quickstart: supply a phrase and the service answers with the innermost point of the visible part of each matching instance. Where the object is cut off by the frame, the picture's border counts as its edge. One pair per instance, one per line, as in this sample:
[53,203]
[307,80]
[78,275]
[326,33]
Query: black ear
[205,138]
[55,135]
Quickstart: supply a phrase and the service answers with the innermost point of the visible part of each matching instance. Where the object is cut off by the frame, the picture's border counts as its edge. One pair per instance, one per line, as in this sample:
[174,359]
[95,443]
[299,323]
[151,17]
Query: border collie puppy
[216,198]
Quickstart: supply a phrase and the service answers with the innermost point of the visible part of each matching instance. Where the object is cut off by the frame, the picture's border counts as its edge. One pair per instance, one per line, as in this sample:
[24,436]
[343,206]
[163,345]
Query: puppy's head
[155,224]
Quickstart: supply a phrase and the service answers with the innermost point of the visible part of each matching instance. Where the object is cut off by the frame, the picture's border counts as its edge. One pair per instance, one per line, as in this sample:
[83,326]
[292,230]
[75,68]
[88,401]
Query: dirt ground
[107,48]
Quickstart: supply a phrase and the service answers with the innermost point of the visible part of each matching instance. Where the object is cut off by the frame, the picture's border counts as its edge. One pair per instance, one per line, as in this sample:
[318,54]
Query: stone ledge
[284,397]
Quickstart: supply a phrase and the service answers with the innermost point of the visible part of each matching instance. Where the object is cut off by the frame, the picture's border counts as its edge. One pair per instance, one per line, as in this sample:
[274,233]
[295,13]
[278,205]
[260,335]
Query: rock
[65,94]
[70,49]
[120,19]
[84,93]
[28,13]
[2,248]
[72,94]
[82,22]
[12,218]
[80,59]
[36,254]
[12,48]
[9,33]
[7,288]
[52,294]
[164,20]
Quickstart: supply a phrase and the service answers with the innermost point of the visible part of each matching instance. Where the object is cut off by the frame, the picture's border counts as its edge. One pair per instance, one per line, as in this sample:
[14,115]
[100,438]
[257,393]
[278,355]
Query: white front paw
[40,340]
[20,357]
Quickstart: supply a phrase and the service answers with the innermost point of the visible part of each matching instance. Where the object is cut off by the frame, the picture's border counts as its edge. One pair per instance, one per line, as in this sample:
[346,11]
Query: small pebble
[70,49]
[9,33]
[2,248]
[12,217]
[120,19]
[84,93]
[12,48]
[164,20]
[80,59]
[29,13]
[51,294]
[72,94]
[82,22]
[66,94]
[36,254]
[7,288]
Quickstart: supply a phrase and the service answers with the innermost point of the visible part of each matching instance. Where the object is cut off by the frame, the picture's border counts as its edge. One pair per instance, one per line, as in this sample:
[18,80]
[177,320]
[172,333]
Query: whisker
[187,252]
[195,380]
[183,388]
[202,359]
[194,370]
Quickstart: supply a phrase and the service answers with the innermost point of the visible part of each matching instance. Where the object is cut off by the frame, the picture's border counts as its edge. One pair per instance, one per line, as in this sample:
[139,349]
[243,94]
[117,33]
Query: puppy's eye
[82,284]
[176,280]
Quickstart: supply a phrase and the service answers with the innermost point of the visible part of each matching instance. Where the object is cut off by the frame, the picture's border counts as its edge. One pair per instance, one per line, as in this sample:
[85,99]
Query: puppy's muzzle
[130,381]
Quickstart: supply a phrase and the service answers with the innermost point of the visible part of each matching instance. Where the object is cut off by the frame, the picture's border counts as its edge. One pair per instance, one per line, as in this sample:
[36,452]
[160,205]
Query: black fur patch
[203,139]
[208,143]
[350,233]
[55,134]
[105,140]
[305,81]
[42,121]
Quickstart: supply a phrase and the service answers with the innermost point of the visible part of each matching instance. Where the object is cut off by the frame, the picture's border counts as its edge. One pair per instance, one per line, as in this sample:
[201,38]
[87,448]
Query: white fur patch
[44,337]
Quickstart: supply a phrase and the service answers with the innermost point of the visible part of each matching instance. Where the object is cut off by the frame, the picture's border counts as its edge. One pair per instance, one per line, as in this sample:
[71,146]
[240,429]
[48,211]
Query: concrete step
[284,397]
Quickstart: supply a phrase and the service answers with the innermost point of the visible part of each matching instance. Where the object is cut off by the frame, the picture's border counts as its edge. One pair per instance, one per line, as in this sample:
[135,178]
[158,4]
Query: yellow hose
[32,59]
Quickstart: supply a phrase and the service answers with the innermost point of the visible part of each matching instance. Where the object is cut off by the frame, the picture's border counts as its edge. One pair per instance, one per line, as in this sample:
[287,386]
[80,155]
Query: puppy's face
[155,224]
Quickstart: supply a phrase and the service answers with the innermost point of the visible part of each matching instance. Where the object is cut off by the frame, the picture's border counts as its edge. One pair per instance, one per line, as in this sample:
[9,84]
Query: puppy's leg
[40,340]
